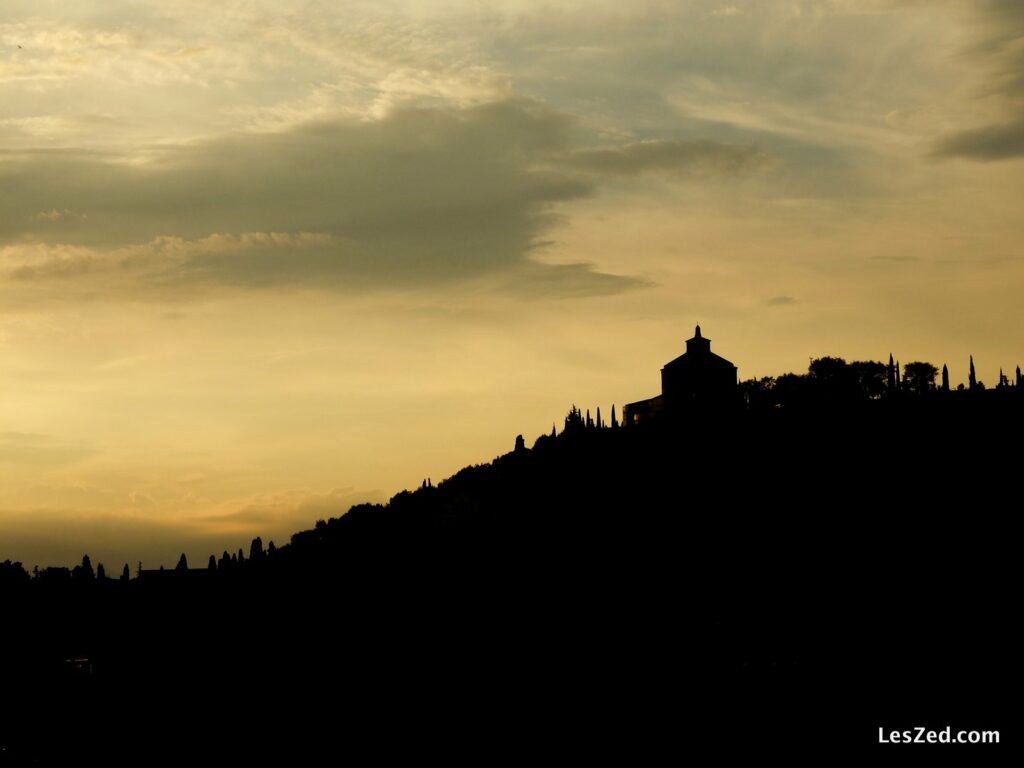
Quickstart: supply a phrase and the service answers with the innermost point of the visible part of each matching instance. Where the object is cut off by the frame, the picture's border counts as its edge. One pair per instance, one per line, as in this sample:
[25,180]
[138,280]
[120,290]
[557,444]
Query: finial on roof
[696,333]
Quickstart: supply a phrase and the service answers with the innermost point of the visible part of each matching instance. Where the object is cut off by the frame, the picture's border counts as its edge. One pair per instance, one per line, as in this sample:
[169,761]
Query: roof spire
[696,332]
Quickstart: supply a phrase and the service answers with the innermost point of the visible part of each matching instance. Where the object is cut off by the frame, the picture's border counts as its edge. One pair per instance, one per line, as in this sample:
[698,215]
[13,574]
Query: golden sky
[261,261]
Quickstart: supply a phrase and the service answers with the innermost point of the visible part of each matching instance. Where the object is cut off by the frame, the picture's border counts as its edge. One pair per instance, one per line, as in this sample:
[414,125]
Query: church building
[696,380]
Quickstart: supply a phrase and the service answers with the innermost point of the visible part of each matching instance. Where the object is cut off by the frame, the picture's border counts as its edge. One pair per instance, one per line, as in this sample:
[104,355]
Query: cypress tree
[945,378]
[182,563]
[212,564]
[972,380]
[84,571]
[125,576]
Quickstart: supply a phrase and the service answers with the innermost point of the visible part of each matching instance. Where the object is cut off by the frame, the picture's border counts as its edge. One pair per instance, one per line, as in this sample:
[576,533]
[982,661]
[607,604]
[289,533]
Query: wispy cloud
[26,448]
[672,156]
[998,50]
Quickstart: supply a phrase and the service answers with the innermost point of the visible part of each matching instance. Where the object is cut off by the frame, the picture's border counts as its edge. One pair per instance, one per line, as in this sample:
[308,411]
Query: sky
[260,261]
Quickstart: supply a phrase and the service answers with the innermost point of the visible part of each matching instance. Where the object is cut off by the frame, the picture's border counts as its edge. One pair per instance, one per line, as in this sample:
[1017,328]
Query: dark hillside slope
[608,592]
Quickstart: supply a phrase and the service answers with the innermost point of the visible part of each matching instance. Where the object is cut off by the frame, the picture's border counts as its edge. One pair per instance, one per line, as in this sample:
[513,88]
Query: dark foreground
[760,585]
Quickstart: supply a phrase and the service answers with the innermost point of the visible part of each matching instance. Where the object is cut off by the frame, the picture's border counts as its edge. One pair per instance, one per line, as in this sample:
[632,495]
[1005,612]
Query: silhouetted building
[697,379]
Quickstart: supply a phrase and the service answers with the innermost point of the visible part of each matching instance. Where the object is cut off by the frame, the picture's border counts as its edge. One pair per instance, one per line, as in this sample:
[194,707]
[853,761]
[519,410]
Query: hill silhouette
[820,555]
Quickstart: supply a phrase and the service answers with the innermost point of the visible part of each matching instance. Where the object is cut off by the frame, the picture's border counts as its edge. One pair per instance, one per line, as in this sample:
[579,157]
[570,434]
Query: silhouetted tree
[12,574]
[271,549]
[256,549]
[1019,381]
[520,443]
[919,377]
[758,393]
[55,575]
[972,380]
[891,374]
[125,575]
[615,421]
[182,563]
[599,424]
[574,421]
[83,572]
[870,378]
[241,556]
[212,564]
[225,560]
[833,380]
[945,378]
[790,390]
[828,368]
[101,573]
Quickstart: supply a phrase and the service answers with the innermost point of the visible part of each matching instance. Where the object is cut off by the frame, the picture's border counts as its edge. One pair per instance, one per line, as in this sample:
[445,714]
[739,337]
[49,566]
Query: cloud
[284,512]
[999,52]
[159,256]
[991,142]
[424,195]
[31,449]
[60,537]
[781,301]
[578,280]
[676,156]
[53,215]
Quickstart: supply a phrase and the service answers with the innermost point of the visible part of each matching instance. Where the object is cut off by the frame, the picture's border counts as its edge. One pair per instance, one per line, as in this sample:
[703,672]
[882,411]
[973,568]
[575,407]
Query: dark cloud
[781,301]
[424,195]
[1000,51]
[992,142]
[678,156]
